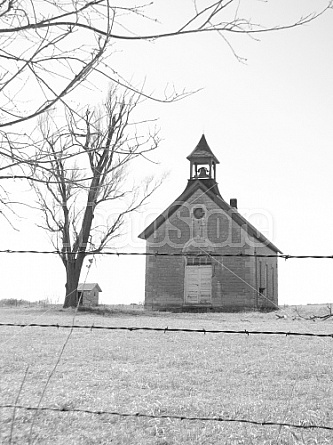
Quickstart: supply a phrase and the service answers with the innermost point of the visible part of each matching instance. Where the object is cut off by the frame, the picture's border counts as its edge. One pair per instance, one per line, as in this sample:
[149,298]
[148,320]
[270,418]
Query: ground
[259,378]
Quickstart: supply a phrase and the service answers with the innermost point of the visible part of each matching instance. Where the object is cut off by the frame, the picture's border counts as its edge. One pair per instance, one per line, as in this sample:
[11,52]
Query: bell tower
[202,161]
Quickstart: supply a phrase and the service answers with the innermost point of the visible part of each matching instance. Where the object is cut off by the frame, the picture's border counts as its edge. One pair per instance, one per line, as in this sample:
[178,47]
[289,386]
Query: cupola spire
[202,161]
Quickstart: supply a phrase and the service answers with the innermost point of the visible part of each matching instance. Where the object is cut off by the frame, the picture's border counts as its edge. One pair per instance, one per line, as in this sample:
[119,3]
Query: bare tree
[86,175]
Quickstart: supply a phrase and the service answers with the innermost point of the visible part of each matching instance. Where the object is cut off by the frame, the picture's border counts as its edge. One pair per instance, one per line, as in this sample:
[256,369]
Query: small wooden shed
[88,294]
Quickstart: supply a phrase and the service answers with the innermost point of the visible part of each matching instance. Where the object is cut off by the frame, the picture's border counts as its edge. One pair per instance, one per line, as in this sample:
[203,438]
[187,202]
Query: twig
[47,383]
[56,365]
[16,402]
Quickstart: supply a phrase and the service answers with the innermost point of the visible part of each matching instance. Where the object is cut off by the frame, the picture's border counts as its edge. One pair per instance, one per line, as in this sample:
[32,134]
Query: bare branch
[54,48]
[39,43]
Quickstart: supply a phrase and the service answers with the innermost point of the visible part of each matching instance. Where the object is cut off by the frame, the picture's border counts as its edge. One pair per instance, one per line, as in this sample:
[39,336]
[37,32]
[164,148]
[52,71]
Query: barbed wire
[170,416]
[167,329]
[174,254]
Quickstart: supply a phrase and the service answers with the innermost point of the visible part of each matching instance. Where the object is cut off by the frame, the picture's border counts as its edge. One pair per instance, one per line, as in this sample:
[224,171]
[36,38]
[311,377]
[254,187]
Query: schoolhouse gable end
[197,225]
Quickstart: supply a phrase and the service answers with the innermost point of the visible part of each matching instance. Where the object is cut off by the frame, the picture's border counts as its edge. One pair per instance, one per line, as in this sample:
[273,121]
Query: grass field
[253,377]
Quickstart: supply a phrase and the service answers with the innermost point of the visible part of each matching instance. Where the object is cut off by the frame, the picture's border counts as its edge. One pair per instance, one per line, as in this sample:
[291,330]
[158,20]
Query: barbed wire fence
[215,418]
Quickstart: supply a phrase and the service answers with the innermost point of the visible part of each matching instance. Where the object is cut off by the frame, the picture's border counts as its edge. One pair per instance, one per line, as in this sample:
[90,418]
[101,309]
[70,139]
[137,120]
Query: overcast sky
[268,121]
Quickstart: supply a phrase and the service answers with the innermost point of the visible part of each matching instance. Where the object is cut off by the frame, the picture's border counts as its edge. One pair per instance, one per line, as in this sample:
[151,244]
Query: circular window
[198,213]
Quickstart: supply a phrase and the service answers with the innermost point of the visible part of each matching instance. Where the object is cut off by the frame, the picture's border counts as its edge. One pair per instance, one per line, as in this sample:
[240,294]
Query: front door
[198,284]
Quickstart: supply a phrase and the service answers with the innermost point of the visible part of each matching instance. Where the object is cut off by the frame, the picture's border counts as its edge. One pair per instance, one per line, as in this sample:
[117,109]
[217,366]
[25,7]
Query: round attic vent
[198,213]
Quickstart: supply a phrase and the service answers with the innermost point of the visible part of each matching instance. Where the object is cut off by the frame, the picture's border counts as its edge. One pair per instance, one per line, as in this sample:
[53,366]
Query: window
[199,260]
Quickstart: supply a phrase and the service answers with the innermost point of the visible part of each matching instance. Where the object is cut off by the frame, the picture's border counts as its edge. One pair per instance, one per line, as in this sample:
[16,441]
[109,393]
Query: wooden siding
[90,298]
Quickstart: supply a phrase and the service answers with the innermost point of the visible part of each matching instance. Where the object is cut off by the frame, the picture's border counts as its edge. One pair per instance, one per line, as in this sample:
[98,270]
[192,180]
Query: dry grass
[271,378]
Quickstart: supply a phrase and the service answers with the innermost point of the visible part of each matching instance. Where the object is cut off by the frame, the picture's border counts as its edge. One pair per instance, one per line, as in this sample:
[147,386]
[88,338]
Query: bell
[203,172]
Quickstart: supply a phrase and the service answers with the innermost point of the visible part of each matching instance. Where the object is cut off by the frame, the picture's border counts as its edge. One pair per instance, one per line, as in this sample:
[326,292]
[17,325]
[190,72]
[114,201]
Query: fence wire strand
[177,254]
[167,329]
[170,416]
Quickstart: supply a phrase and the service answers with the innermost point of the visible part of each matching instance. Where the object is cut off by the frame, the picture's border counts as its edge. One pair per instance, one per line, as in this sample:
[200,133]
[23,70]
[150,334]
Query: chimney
[233,203]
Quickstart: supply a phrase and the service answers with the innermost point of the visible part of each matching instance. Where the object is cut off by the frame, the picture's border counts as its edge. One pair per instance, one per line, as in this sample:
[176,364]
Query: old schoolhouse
[203,254]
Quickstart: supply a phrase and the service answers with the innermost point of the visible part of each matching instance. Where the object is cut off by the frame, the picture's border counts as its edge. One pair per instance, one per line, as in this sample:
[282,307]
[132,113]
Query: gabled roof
[209,187]
[88,286]
[202,152]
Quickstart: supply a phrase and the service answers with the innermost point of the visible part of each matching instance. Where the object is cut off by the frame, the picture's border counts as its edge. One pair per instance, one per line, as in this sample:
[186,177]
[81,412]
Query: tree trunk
[73,275]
